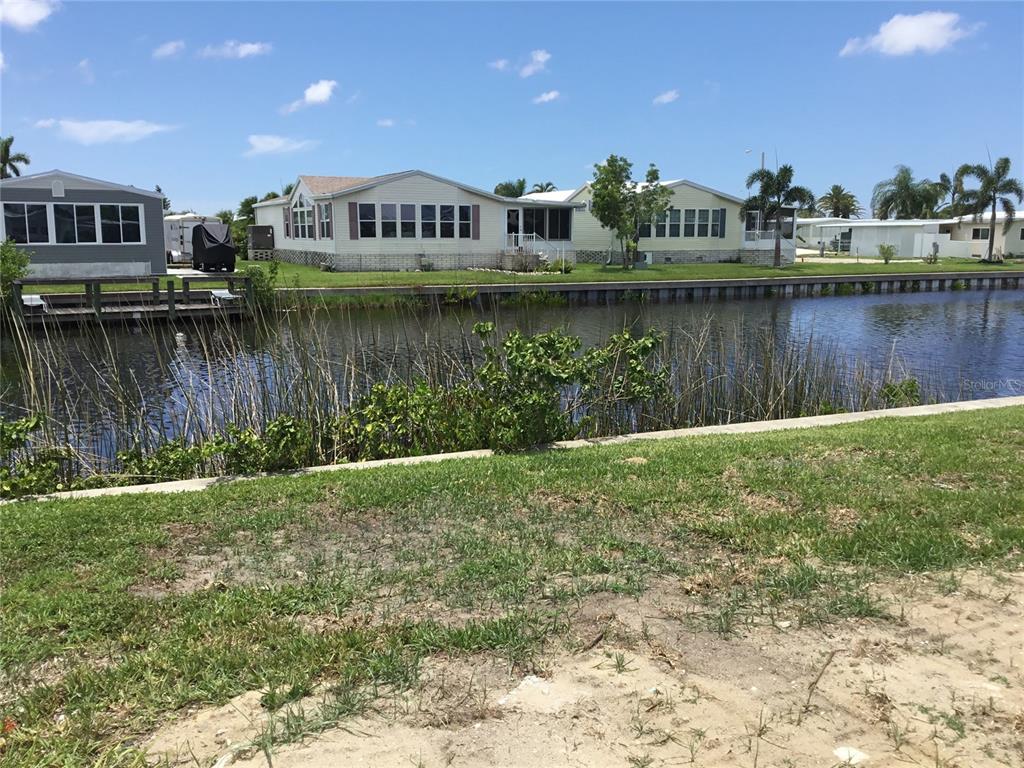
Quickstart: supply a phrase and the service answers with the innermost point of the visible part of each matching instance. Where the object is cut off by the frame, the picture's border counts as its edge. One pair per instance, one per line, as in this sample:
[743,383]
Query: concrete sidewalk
[750,427]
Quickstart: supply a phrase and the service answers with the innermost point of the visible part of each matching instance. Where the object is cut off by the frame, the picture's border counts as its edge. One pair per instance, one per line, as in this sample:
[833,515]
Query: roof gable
[72,181]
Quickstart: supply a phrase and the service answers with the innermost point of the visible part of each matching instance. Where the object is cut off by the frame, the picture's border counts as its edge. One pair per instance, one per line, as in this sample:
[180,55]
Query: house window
[326,225]
[673,222]
[388,220]
[26,223]
[979,233]
[302,220]
[645,229]
[661,225]
[428,221]
[703,215]
[120,224]
[465,221]
[690,222]
[448,221]
[560,224]
[367,220]
[1022,233]
[534,222]
[75,223]
[408,220]
[716,214]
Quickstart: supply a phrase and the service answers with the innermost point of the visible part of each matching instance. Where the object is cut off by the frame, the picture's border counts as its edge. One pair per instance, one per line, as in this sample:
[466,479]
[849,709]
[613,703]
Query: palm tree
[776,191]
[840,203]
[995,188]
[546,186]
[952,189]
[901,197]
[9,162]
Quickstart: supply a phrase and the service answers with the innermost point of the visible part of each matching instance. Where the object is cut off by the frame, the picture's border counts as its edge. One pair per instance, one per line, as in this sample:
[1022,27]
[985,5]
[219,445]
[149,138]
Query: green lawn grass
[297,276]
[105,627]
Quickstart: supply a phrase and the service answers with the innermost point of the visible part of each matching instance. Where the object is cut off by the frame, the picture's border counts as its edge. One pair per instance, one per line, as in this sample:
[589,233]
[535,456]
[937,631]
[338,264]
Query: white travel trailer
[178,235]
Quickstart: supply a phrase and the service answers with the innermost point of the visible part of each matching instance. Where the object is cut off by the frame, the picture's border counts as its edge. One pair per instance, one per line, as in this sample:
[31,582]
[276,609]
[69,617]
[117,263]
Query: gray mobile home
[74,226]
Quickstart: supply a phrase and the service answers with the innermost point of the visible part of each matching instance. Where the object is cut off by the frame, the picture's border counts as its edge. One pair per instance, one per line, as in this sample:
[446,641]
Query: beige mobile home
[407,221]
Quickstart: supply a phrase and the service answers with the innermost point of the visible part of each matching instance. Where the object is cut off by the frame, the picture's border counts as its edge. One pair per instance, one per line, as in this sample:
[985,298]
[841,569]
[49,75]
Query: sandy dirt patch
[941,684]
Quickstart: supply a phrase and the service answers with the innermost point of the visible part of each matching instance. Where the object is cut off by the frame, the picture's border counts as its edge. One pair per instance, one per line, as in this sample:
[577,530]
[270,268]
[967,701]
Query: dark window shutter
[316,224]
[721,223]
[287,221]
[353,221]
[476,222]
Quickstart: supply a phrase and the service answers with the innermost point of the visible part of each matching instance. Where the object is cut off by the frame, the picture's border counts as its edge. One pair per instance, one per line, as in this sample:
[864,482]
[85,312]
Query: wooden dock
[175,300]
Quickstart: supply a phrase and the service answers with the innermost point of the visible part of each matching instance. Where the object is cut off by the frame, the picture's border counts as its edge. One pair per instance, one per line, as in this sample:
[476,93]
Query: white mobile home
[961,237]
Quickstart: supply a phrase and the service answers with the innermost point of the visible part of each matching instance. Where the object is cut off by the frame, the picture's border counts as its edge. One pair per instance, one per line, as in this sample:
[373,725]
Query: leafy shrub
[263,281]
[867,287]
[24,471]
[174,460]
[845,289]
[902,393]
[13,266]
[887,252]
[562,266]
[958,285]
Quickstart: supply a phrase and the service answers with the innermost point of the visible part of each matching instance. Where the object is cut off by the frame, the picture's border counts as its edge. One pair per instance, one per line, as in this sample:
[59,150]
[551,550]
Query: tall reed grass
[197,384]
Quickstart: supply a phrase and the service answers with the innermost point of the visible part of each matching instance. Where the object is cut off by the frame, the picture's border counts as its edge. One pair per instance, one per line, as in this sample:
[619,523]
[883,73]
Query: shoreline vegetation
[342,599]
[291,276]
[276,394]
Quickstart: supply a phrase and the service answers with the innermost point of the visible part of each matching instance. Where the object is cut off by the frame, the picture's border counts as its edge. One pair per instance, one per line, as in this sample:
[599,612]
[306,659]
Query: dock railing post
[170,299]
[185,297]
[250,299]
[156,290]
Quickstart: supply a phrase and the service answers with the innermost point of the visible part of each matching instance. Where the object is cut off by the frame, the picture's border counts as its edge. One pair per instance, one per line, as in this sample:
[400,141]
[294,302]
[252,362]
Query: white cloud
[89,132]
[902,35]
[318,93]
[266,144]
[25,14]
[84,68]
[547,96]
[232,49]
[386,122]
[168,49]
[538,63]
[666,98]
[499,64]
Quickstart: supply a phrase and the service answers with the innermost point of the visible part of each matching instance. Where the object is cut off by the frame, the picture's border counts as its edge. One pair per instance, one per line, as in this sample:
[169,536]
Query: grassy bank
[120,611]
[297,276]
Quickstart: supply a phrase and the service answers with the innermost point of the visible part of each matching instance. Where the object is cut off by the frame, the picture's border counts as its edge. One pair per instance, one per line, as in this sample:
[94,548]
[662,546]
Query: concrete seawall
[701,290]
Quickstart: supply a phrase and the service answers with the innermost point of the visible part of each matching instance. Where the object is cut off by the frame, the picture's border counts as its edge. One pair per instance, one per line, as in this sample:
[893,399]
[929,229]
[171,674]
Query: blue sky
[215,101]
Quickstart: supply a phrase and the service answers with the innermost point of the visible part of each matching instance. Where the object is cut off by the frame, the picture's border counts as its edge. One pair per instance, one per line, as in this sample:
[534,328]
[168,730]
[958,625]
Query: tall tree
[10,161]
[166,201]
[226,216]
[623,206]
[995,188]
[840,203]
[245,208]
[775,192]
[269,196]
[545,186]
[287,189]
[511,188]
[903,197]
[952,190]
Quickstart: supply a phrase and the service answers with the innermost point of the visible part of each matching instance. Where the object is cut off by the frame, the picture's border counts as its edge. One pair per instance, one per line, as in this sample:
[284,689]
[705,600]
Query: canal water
[969,344]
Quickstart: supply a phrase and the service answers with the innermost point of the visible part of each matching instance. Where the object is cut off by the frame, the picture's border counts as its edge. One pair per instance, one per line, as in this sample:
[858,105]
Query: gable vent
[57,188]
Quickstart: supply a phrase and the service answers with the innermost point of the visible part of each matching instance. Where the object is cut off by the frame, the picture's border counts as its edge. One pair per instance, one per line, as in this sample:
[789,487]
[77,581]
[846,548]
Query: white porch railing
[531,244]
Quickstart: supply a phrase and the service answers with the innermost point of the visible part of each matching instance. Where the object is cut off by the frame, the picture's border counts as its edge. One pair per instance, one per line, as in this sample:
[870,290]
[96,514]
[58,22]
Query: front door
[512,221]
